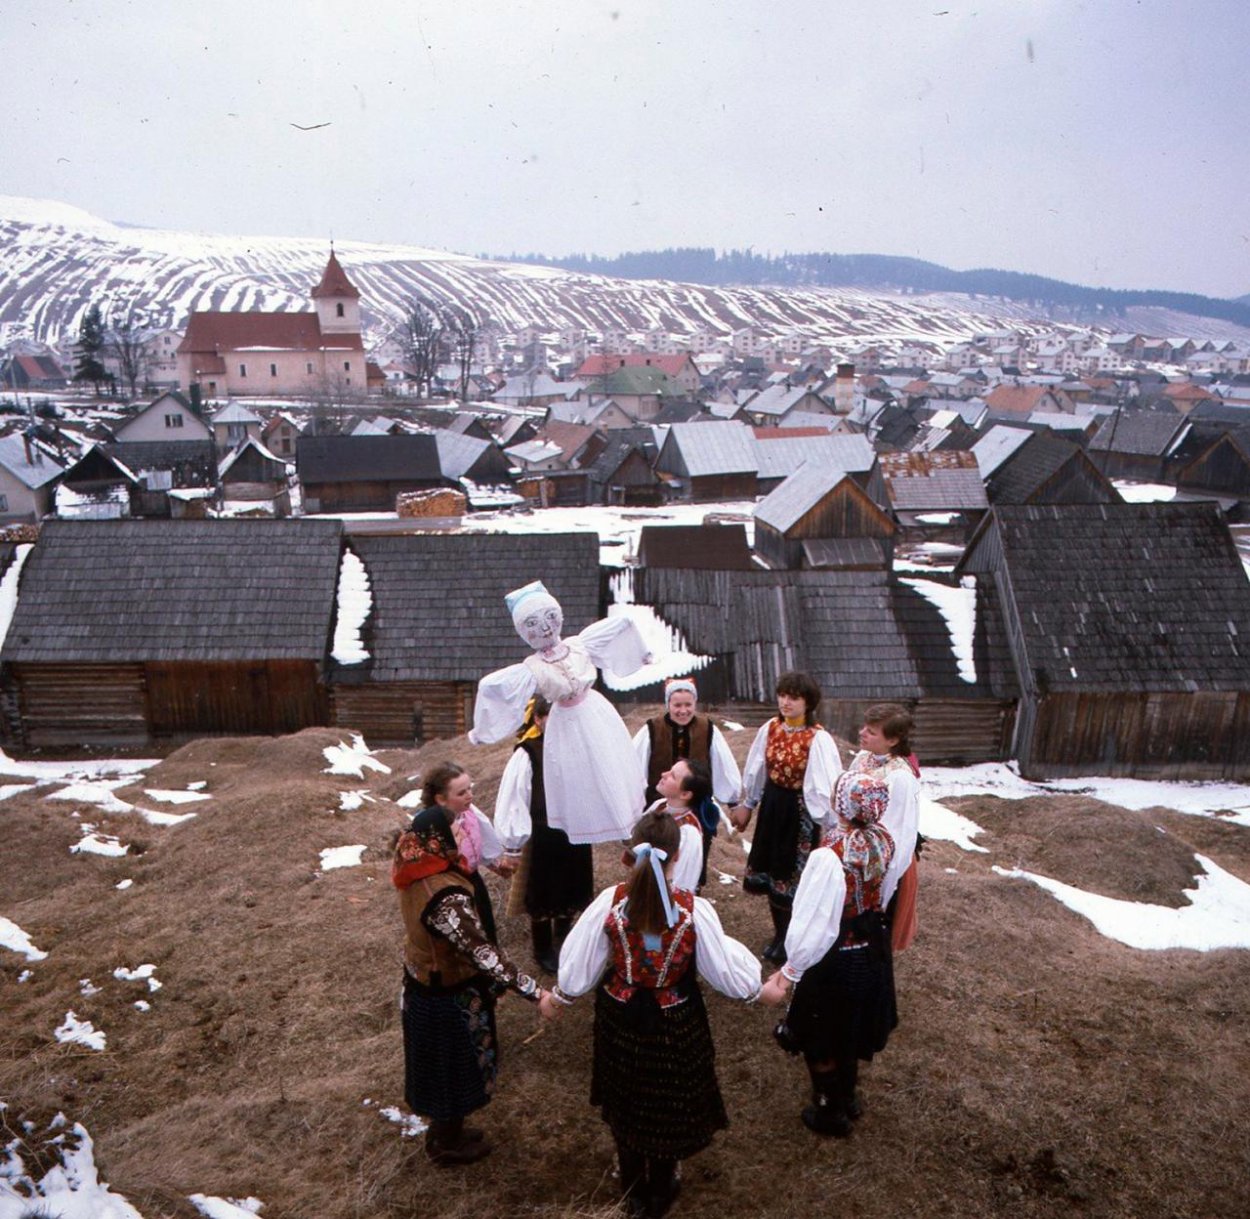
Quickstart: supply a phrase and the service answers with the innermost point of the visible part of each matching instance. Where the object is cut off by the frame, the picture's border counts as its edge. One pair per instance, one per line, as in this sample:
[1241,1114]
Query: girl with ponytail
[643,944]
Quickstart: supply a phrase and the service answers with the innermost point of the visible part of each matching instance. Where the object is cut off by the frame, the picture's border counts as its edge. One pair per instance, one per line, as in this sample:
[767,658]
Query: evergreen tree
[89,365]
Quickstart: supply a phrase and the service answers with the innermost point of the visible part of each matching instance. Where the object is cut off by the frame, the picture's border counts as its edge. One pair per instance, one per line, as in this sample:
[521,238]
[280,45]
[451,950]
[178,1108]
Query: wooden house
[936,496]
[710,547]
[865,636]
[169,417]
[163,465]
[427,653]
[623,473]
[780,451]
[253,475]
[1137,444]
[1221,468]
[130,631]
[28,476]
[365,473]
[818,504]
[1127,626]
[715,460]
[466,455]
[1046,469]
[98,487]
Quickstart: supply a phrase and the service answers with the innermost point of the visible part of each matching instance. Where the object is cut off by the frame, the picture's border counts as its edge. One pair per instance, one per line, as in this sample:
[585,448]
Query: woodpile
[19,533]
[439,502]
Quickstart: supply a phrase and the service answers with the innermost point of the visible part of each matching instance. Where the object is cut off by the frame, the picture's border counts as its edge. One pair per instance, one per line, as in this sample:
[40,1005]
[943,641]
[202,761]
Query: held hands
[740,816]
[505,865]
[548,1006]
[775,990]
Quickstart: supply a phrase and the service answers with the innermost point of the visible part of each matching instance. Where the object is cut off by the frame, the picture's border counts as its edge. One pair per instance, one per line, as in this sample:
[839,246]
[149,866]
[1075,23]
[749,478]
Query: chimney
[844,389]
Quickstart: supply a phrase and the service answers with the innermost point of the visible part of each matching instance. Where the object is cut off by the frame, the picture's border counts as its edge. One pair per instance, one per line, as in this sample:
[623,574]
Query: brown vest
[430,958]
[662,752]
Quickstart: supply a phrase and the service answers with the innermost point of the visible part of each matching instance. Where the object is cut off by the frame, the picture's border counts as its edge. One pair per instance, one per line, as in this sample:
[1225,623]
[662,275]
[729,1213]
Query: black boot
[447,1146]
[776,950]
[662,1186]
[827,1115]
[633,1167]
[544,952]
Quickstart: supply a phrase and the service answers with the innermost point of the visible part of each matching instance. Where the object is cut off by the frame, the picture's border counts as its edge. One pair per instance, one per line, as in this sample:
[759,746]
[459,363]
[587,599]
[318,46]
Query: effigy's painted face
[541,624]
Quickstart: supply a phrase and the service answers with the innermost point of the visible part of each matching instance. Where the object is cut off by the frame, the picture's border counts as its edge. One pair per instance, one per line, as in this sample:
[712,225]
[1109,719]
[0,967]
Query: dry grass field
[1039,1069]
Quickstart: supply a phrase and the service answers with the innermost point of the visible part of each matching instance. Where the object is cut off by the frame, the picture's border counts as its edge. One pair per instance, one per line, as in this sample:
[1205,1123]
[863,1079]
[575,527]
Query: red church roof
[334,281]
[217,332]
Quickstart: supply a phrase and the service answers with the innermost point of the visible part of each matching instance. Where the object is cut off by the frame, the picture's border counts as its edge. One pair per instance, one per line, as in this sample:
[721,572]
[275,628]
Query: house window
[285,446]
[4,503]
[273,370]
[347,366]
[173,421]
[338,309]
[243,370]
[236,433]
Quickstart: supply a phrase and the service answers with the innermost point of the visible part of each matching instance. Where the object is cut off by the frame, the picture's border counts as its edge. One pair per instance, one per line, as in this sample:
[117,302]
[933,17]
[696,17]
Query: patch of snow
[83,1032]
[410,799]
[1217,916]
[141,973]
[731,726]
[341,857]
[153,817]
[937,821]
[958,607]
[129,769]
[143,1005]
[355,603]
[409,1124]
[8,587]
[12,789]
[15,939]
[87,988]
[1144,493]
[124,884]
[99,794]
[198,785]
[174,797]
[71,1189]
[26,975]
[225,1208]
[98,844]
[352,800]
[352,759]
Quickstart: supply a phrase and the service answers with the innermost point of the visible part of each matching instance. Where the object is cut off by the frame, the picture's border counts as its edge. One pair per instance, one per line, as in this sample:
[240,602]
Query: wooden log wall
[403,712]
[82,704]
[219,698]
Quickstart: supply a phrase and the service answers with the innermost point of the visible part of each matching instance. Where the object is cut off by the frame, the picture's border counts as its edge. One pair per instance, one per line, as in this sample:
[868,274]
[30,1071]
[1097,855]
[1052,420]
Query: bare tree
[126,341]
[463,329]
[421,334]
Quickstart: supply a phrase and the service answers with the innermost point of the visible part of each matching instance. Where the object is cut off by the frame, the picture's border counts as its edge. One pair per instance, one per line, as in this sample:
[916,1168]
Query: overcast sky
[1103,142]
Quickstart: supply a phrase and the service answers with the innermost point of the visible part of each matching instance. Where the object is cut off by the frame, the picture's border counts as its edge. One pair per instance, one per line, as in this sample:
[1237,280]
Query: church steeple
[337,300]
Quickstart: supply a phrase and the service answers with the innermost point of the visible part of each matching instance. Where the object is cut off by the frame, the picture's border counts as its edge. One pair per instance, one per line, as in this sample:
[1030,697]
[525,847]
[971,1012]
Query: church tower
[337,300]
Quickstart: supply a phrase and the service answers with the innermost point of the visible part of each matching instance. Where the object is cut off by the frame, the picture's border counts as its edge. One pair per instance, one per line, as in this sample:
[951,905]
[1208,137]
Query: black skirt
[784,837]
[561,879]
[654,1074]
[451,1054]
[844,1006]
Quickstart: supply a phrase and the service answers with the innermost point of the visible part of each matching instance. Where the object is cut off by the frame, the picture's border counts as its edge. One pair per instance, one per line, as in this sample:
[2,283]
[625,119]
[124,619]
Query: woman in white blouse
[838,946]
[653,1075]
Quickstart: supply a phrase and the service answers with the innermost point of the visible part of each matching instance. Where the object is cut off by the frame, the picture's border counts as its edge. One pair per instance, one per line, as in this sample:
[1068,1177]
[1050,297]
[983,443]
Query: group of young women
[829,849]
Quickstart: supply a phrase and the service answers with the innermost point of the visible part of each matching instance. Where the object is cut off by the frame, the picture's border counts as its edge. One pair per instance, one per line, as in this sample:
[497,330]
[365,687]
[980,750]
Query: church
[254,354]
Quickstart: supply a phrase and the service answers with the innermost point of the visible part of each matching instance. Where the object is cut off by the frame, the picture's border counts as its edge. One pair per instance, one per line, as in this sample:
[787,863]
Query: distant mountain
[882,271]
[59,260]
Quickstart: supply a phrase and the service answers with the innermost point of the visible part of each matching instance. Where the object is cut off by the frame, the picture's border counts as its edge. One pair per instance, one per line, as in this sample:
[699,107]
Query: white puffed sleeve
[685,874]
[642,747]
[512,804]
[817,914]
[756,769]
[586,952]
[902,819]
[614,644]
[492,848]
[726,777]
[823,768]
[500,705]
[728,966]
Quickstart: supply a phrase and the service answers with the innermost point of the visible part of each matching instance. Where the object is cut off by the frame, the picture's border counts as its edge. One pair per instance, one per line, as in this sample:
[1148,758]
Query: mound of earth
[1039,1068]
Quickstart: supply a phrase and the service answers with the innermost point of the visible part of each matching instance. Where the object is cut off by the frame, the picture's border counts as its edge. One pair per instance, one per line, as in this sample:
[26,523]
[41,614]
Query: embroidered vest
[659,969]
[785,753]
[669,743]
[427,957]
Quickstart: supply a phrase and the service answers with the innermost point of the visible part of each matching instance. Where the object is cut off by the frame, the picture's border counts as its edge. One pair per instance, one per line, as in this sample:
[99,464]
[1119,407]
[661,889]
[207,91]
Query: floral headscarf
[863,844]
[427,848]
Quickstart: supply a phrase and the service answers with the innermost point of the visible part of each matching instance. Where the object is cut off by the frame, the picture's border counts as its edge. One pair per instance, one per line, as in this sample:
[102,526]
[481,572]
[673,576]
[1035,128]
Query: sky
[1098,141]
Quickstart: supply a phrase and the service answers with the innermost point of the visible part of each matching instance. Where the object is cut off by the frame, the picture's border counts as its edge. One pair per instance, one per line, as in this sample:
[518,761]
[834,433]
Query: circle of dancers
[833,853]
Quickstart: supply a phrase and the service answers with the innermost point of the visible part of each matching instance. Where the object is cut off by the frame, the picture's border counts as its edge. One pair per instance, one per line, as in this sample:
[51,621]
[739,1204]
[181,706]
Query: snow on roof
[35,470]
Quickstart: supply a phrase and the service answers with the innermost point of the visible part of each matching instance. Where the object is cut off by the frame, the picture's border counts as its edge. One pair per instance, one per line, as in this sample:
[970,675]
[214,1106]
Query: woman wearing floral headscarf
[838,945]
[453,969]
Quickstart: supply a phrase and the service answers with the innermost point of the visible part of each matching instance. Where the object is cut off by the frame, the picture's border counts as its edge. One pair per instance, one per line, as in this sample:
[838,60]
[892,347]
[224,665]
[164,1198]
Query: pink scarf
[468,834]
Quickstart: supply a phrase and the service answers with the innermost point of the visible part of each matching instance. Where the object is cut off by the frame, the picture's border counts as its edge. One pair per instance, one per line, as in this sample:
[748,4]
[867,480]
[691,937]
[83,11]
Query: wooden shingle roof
[151,590]
[1127,597]
[716,547]
[943,481]
[343,459]
[438,599]
[1141,433]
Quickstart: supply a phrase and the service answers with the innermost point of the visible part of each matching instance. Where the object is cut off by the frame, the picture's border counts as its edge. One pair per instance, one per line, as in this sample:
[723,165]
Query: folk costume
[453,973]
[838,947]
[790,773]
[660,742]
[653,1076]
[592,782]
[556,876]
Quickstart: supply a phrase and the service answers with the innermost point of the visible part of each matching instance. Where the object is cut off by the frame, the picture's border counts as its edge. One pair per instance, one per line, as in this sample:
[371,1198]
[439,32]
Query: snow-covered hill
[58,260]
